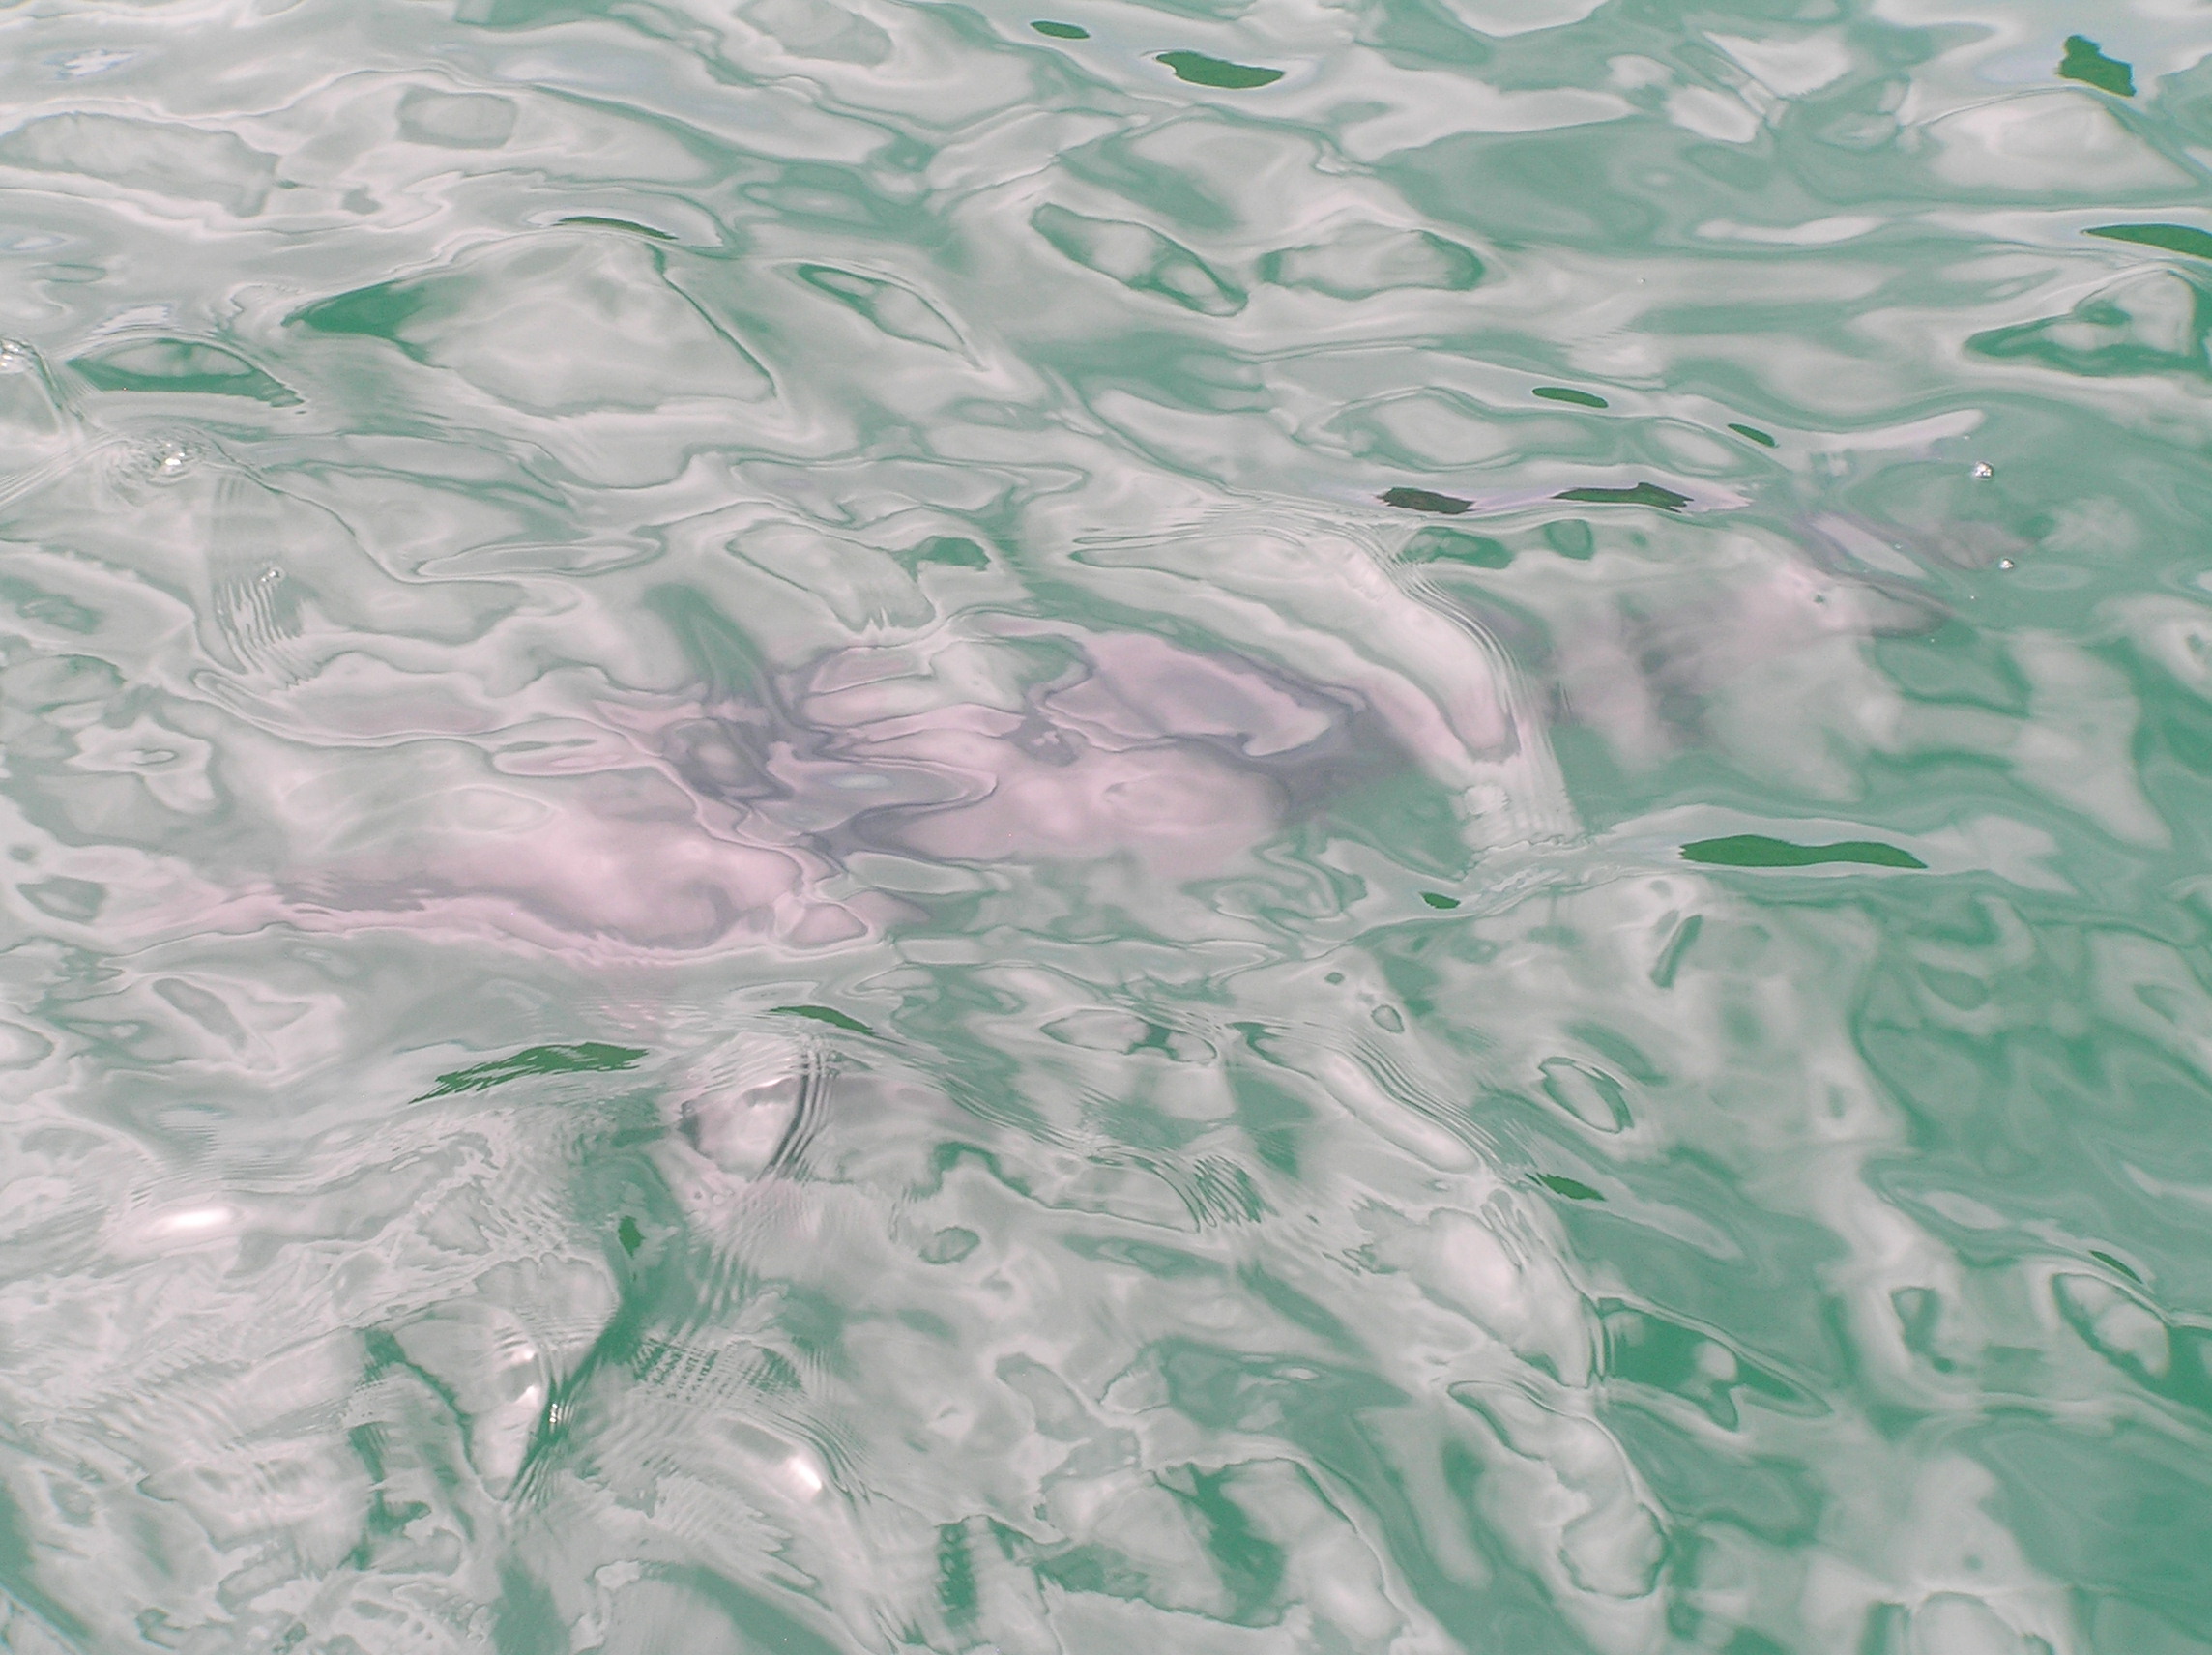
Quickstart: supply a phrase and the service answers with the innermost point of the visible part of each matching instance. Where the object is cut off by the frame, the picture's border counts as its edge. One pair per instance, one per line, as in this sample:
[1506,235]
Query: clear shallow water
[847,828]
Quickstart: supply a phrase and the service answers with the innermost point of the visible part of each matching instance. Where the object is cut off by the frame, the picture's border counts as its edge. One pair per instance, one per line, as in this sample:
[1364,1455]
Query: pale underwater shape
[1180,762]
[722,818]
[654,824]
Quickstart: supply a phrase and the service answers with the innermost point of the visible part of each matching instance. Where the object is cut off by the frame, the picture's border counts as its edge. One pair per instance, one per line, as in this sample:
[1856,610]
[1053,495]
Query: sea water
[1232,826]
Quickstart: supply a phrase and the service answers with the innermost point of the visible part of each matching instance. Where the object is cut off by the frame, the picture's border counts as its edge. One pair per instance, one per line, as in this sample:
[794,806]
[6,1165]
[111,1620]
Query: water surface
[1239,829]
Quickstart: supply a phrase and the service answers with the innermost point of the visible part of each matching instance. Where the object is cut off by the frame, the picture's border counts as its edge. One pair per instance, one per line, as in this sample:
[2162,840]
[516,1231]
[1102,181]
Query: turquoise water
[1215,827]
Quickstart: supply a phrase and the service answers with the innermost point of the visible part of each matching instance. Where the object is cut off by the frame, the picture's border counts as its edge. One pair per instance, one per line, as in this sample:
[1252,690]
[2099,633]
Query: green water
[1233,827]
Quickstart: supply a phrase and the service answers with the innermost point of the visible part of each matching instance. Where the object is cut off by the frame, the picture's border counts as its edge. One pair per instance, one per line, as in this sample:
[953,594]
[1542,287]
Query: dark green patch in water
[375,312]
[1752,433]
[1642,494]
[1574,1189]
[1564,393]
[823,1014]
[586,1057]
[1424,500]
[592,221]
[1061,31]
[1757,851]
[1202,71]
[2106,1260]
[2084,61]
[945,551]
[2170,237]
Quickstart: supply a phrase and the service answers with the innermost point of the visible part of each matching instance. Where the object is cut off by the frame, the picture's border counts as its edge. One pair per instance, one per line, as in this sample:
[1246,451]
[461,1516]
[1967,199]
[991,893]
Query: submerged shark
[616,763]
[732,812]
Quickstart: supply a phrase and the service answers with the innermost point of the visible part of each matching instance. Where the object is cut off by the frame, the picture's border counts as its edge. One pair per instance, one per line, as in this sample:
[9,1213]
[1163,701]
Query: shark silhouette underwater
[617,764]
[740,810]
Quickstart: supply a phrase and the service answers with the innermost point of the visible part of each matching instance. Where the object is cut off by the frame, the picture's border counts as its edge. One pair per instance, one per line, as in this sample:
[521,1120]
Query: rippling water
[1211,828]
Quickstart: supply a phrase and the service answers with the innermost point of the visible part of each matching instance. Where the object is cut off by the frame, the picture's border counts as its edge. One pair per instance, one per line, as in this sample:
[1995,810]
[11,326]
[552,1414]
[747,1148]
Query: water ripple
[849,826]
